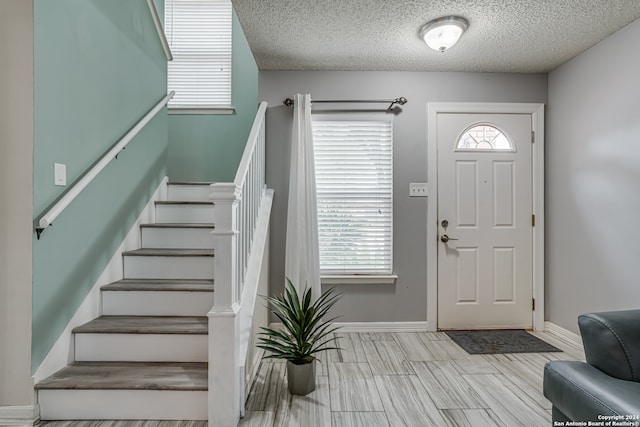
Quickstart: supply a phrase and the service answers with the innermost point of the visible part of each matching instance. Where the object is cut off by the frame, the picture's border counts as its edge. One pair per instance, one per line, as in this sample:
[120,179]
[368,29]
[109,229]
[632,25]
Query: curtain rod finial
[288,102]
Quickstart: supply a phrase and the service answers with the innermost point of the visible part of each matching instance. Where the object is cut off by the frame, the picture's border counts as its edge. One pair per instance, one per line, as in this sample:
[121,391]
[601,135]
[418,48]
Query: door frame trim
[537,124]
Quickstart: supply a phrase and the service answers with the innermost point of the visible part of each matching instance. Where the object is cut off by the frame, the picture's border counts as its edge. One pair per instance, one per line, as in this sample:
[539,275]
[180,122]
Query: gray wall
[407,299]
[593,171]
[16,195]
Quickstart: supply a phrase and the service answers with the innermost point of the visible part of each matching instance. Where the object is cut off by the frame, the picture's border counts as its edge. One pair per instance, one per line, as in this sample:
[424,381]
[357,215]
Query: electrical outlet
[418,189]
[59,174]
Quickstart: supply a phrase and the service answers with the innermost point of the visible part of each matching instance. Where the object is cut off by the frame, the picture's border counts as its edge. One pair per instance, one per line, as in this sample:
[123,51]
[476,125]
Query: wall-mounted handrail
[160,29]
[73,192]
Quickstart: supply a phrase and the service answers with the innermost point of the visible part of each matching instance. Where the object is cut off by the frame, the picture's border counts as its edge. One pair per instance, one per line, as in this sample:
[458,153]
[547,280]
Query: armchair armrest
[612,342]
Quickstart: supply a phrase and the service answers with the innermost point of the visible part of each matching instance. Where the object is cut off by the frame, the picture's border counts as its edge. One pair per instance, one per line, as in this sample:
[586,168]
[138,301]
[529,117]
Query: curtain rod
[401,101]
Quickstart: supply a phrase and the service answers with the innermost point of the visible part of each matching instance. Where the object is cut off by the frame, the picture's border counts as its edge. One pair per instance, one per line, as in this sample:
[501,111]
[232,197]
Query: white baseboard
[382,326]
[375,326]
[563,333]
[19,415]
[62,352]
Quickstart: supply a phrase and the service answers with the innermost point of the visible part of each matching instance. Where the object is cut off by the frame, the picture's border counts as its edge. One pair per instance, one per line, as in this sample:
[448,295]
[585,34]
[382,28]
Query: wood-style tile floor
[409,379]
[398,379]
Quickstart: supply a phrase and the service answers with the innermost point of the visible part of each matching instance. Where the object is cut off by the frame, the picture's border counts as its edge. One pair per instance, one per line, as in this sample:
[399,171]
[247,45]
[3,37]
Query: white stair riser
[189,193]
[122,405]
[167,267]
[185,214]
[140,347]
[177,238]
[156,303]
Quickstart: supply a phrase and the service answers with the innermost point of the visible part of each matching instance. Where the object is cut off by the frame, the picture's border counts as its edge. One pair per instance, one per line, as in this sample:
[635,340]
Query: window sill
[203,111]
[352,279]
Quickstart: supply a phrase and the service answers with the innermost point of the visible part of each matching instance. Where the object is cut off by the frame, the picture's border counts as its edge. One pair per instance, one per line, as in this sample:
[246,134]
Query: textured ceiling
[528,36]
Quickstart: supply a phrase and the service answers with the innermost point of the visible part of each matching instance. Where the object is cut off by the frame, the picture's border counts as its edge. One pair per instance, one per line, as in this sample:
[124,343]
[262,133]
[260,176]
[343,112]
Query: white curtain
[302,258]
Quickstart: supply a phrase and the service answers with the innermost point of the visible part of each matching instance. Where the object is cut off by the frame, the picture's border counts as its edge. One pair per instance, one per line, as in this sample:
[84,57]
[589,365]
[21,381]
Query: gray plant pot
[301,378]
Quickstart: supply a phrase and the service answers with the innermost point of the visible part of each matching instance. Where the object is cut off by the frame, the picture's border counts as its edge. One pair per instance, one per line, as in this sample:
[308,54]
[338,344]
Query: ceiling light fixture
[442,33]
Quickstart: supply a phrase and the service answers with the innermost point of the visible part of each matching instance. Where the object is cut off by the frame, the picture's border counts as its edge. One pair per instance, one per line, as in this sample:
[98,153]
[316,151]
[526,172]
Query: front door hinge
[533,137]
[533,304]
[533,220]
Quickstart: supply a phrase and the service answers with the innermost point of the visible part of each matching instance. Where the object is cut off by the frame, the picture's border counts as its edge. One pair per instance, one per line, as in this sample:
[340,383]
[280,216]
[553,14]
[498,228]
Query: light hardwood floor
[398,379]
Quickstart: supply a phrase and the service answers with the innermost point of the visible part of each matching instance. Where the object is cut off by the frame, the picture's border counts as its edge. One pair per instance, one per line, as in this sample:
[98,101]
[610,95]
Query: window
[354,178]
[199,34]
[484,137]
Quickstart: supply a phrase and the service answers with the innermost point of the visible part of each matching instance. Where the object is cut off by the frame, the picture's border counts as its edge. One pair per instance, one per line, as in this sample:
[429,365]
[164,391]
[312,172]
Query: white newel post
[224,321]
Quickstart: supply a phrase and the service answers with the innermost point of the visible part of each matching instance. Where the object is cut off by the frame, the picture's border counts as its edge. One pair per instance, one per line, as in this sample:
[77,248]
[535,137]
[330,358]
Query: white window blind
[354,184]
[199,33]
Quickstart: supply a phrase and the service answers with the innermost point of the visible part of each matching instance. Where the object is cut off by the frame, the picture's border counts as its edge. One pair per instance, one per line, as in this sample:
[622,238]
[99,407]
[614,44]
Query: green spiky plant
[304,332]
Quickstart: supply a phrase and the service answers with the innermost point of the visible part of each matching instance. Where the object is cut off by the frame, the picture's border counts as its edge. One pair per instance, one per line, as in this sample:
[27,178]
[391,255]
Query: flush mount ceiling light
[442,33]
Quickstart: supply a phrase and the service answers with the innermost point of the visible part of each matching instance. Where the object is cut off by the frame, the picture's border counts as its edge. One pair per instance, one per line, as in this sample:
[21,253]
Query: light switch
[418,189]
[59,174]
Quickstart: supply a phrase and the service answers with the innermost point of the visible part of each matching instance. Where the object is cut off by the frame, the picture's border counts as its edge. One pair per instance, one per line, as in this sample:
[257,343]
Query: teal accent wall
[98,68]
[160,8]
[209,147]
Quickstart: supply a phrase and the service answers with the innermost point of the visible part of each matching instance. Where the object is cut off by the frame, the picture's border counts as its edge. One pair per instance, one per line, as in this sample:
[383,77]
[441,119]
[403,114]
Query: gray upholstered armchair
[609,383]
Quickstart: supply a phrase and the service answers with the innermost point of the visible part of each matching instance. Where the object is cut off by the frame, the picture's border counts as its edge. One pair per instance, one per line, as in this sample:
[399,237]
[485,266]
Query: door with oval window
[484,221]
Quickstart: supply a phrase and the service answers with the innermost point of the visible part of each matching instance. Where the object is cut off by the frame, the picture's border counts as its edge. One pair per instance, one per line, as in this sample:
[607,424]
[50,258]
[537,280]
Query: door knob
[444,238]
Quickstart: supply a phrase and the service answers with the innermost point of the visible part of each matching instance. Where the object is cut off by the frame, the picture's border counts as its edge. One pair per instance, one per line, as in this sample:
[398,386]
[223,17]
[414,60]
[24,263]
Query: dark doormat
[501,341]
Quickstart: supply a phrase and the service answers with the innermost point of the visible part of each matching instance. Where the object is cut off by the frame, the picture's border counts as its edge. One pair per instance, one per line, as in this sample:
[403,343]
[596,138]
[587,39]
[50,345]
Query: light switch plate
[418,189]
[59,174]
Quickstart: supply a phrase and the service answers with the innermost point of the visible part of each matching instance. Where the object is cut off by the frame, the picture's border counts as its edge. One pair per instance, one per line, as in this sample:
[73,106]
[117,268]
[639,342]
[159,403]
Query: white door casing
[485,207]
[479,169]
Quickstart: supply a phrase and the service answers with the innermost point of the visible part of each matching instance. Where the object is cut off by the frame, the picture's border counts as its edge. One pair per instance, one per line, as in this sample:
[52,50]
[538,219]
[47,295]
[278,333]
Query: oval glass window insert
[484,137]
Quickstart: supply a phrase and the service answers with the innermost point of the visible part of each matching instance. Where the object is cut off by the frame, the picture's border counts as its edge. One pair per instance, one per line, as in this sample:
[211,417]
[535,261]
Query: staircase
[146,356]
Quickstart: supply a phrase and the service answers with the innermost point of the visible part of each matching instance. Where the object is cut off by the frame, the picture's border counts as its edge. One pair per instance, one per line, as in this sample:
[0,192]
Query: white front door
[485,255]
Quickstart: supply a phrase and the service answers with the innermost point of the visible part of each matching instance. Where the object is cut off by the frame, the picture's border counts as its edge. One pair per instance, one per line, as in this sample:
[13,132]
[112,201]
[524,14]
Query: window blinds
[199,33]
[354,184]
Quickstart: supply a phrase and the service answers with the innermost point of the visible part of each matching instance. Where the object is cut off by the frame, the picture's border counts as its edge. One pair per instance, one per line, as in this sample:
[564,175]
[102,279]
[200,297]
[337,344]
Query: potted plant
[304,334]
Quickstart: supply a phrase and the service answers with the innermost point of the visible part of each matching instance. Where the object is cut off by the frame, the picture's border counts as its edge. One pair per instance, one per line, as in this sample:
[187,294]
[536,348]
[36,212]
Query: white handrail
[252,141]
[160,29]
[77,188]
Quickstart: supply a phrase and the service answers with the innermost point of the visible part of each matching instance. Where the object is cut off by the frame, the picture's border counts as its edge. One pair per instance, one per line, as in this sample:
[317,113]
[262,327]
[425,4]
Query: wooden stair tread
[169,252]
[163,285]
[177,225]
[190,183]
[188,325]
[185,202]
[129,376]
